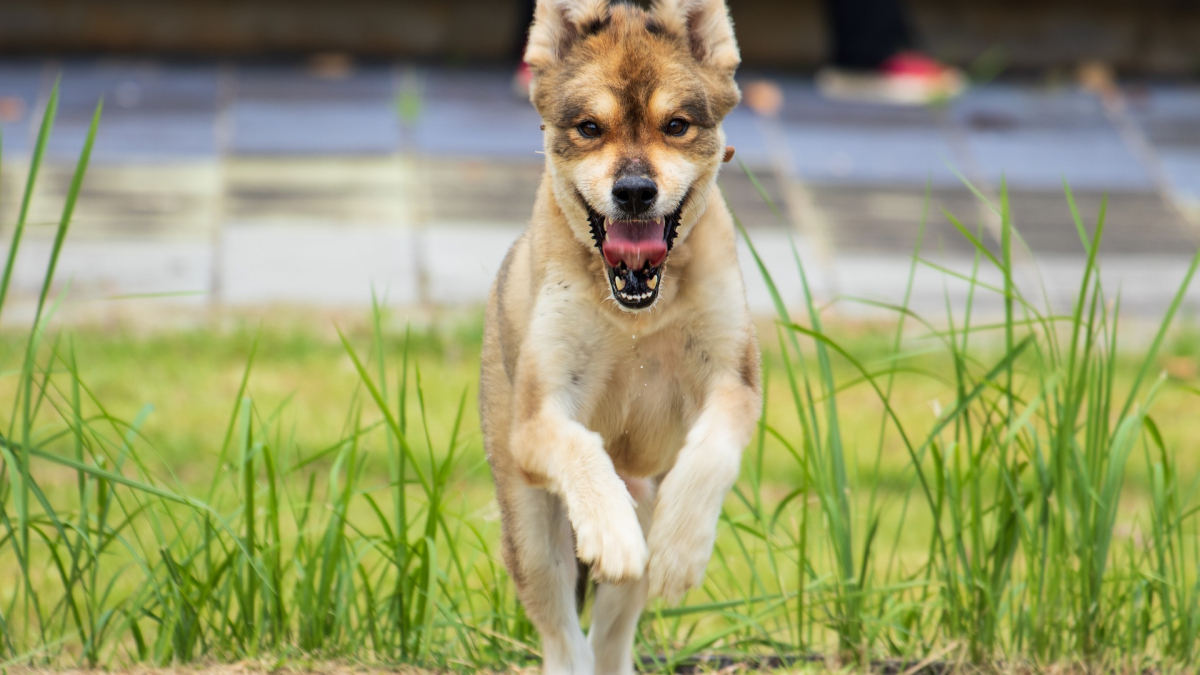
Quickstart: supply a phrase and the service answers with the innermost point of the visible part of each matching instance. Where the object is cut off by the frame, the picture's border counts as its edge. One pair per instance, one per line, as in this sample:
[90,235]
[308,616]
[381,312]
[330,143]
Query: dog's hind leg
[617,607]
[540,551]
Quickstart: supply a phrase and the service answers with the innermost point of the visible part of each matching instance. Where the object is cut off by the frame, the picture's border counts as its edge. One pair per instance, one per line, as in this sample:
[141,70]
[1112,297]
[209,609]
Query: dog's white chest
[652,395]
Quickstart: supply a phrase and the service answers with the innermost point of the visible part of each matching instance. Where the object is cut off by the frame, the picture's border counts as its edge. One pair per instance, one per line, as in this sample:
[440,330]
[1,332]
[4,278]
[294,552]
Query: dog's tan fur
[613,434]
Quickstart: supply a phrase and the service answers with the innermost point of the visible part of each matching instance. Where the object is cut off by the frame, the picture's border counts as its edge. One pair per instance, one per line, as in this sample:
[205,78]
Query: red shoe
[521,80]
[908,78]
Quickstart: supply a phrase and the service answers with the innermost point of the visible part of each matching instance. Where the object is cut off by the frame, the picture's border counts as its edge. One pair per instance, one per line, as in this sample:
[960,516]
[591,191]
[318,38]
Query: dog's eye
[589,129]
[677,127]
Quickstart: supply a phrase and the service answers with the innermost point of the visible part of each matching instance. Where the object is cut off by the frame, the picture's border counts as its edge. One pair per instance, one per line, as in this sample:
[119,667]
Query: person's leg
[866,33]
[523,77]
[874,59]
[524,19]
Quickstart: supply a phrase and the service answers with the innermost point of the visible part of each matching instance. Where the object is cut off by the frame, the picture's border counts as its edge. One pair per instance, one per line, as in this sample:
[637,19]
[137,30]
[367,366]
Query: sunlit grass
[1020,490]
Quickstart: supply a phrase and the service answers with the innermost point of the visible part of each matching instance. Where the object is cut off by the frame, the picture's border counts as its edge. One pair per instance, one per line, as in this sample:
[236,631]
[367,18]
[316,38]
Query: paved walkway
[258,183]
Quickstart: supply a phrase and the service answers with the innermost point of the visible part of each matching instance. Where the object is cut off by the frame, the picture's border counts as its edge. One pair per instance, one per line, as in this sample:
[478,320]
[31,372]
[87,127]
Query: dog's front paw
[679,552]
[609,537]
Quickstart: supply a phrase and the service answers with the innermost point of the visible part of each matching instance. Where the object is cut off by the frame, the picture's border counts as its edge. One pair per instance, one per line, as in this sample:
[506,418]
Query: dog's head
[632,102]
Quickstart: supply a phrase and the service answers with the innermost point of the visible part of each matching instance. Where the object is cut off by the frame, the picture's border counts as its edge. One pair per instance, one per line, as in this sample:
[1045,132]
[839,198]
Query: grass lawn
[181,386]
[1016,492]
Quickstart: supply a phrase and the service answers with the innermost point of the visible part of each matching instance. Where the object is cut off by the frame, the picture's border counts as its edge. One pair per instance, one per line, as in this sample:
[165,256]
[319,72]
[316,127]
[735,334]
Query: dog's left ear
[707,27]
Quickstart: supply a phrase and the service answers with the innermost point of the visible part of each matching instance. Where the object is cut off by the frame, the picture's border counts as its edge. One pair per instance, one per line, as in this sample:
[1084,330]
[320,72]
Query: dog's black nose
[634,194]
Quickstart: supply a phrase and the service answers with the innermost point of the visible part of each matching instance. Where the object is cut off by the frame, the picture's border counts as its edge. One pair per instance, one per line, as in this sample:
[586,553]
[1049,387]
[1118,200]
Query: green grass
[1010,490]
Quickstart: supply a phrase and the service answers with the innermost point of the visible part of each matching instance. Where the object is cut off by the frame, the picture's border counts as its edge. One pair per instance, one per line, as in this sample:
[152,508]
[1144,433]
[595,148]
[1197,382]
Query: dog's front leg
[559,454]
[689,500]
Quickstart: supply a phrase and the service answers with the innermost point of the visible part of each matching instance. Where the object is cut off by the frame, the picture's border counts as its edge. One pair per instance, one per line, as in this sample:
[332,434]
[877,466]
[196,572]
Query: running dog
[620,379]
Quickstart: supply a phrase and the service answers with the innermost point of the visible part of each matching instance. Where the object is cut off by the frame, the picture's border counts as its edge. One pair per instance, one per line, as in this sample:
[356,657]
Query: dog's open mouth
[634,252]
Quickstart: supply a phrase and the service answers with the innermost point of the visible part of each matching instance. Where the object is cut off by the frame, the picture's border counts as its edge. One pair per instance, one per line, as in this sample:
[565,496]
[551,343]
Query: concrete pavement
[263,183]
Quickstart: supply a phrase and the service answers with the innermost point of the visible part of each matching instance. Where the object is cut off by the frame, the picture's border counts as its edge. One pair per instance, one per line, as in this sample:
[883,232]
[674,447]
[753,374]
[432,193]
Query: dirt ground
[929,666]
[281,667]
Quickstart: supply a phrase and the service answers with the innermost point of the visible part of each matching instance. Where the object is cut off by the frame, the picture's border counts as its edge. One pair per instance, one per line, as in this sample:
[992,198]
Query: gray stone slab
[851,143]
[474,113]
[803,105]
[1136,223]
[21,80]
[176,198]
[887,219]
[280,128]
[879,219]
[1146,285]
[1182,166]
[328,264]
[321,190]
[845,154]
[1036,137]
[475,190]
[153,111]
[1169,114]
[1088,159]
[1170,118]
[1001,106]
[744,132]
[102,268]
[747,204]
[461,259]
[282,110]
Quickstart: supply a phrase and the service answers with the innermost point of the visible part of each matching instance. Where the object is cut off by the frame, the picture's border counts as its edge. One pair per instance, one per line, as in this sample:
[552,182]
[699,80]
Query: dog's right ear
[557,24]
[706,26]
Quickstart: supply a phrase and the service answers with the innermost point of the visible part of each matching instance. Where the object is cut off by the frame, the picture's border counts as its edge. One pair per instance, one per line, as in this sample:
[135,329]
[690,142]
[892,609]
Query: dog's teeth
[653,282]
[620,283]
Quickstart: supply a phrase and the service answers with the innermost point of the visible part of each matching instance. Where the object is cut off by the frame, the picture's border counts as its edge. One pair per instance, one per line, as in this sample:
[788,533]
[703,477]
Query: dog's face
[632,102]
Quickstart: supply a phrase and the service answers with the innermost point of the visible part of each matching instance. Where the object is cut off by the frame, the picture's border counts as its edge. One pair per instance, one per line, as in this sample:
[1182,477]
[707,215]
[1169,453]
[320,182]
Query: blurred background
[269,152]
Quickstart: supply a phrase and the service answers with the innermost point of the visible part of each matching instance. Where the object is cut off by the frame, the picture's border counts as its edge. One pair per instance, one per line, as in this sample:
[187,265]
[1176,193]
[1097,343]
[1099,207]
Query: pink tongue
[634,243]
